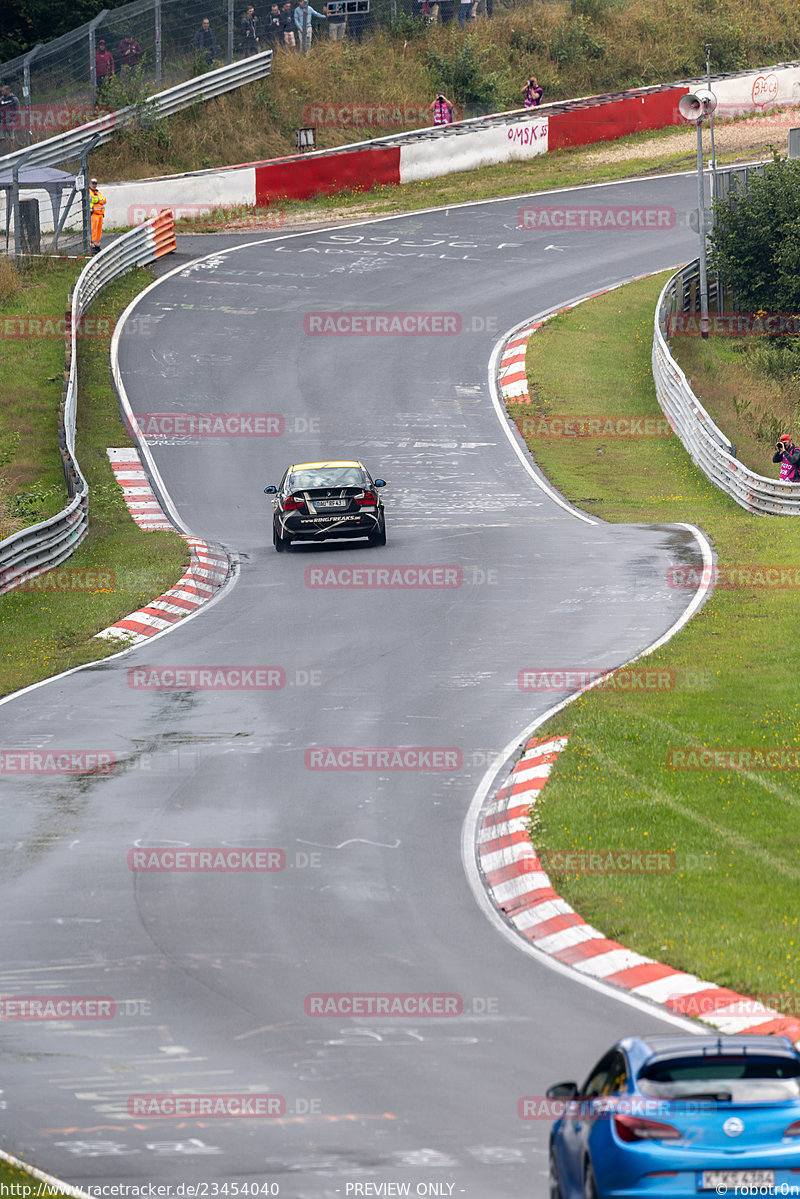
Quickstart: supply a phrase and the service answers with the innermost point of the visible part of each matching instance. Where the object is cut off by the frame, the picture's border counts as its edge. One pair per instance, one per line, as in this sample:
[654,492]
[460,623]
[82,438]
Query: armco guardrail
[46,545]
[203,87]
[706,444]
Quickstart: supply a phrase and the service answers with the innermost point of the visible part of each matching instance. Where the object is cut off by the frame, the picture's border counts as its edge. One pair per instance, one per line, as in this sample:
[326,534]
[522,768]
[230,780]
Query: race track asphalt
[210,971]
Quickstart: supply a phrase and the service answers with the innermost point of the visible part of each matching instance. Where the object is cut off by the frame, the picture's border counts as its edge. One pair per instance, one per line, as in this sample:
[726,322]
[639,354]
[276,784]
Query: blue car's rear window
[737,1078]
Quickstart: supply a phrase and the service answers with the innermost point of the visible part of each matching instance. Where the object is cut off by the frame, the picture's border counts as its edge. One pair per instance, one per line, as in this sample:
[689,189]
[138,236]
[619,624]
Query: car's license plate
[711,1180]
[323,505]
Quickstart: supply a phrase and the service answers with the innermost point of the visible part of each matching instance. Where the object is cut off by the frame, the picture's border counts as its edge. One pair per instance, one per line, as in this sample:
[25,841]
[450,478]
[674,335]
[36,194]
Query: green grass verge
[32,483]
[730,911]
[12,1176]
[46,631]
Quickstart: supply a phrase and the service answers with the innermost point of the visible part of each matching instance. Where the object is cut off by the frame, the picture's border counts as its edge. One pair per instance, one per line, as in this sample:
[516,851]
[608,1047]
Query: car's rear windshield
[329,476]
[740,1077]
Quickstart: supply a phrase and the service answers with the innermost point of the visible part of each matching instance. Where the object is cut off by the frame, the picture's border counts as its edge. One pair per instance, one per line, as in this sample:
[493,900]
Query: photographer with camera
[788,454]
[442,110]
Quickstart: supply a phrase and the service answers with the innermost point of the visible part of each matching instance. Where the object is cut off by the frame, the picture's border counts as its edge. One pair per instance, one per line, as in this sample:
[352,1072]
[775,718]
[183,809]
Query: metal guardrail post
[230,32]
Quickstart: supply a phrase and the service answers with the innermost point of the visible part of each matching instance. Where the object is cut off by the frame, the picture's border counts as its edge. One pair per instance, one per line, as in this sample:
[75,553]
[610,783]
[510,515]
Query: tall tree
[23,23]
[755,246]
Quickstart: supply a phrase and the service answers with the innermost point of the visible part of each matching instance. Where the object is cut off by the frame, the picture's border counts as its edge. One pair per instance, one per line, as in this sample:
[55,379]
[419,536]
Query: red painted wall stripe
[605,122]
[303,177]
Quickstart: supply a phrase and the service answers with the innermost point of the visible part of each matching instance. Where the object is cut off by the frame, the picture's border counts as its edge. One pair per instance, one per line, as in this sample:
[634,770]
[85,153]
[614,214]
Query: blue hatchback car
[678,1118]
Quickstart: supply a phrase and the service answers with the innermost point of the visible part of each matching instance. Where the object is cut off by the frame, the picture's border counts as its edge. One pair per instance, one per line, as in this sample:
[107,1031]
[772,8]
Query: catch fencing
[706,444]
[146,46]
[46,545]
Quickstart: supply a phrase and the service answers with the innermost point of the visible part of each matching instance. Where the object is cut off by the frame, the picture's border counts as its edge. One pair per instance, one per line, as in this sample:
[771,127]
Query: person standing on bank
[103,64]
[250,38]
[442,110]
[205,42]
[287,25]
[272,27]
[300,19]
[9,118]
[337,21]
[532,93]
[97,205]
[788,454]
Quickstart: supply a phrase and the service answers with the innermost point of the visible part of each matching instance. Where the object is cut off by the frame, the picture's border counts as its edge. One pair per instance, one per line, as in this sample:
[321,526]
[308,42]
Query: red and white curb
[522,892]
[513,379]
[208,566]
[139,496]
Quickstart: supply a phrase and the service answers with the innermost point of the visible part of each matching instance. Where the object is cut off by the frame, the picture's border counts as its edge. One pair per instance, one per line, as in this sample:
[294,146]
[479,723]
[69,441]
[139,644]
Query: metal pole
[158,40]
[304,34]
[26,87]
[711,116]
[230,32]
[393,9]
[15,209]
[92,63]
[701,226]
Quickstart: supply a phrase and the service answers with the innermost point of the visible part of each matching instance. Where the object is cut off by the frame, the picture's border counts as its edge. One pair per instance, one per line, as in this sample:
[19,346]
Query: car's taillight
[635,1128]
[292,503]
[793,1130]
[366,497]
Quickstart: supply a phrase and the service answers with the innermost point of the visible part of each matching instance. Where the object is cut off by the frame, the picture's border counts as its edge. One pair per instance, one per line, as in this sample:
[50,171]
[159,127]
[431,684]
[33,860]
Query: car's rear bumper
[321,528]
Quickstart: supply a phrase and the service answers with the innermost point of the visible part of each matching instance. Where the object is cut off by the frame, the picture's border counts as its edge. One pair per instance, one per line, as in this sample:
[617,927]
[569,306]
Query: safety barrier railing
[71,144]
[46,545]
[706,444]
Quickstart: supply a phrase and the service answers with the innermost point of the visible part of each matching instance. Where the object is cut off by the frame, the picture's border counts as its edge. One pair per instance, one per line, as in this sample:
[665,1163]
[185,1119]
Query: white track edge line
[63,1188]
[493,773]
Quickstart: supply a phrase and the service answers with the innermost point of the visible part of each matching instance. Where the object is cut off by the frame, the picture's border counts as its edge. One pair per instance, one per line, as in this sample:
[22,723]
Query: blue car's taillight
[636,1128]
[793,1130]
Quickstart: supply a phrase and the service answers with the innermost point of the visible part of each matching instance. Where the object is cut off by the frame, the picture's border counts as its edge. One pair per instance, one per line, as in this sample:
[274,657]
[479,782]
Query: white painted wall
[521,138]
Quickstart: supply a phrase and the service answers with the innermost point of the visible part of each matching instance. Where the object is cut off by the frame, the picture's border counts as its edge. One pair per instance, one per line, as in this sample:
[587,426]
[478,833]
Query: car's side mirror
[271,490]
[562,1090]
[379,483]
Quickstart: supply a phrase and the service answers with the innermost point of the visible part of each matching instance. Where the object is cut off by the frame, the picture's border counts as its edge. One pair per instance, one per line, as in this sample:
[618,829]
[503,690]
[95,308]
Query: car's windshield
[325,476]
[736,1078]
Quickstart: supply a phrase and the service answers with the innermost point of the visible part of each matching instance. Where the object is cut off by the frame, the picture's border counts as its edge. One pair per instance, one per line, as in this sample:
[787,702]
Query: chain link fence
[119,58]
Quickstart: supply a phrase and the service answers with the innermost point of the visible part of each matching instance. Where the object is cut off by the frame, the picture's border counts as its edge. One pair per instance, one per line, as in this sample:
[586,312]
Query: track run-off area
[216,976]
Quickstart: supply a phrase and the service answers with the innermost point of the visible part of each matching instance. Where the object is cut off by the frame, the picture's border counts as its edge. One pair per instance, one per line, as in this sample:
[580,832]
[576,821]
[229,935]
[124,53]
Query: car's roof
[644,1048]
[314,465]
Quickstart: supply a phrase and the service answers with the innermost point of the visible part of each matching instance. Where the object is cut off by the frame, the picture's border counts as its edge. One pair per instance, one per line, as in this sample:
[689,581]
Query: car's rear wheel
[281,543]
[555,1182]
[589,1182]
[379,536]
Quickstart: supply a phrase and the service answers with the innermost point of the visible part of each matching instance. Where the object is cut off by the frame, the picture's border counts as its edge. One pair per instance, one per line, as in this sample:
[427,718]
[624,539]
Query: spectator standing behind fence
[205,42]
[305,7]
[442,110]
[250,37]
[129,53]
[532,93]
[464,13]
[97,206]
[337,20]
[287,24]
[103,64]
[9,118]
[272,25]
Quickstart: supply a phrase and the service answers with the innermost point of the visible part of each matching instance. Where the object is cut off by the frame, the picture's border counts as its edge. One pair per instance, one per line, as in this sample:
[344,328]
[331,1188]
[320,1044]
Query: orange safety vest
[97,203]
